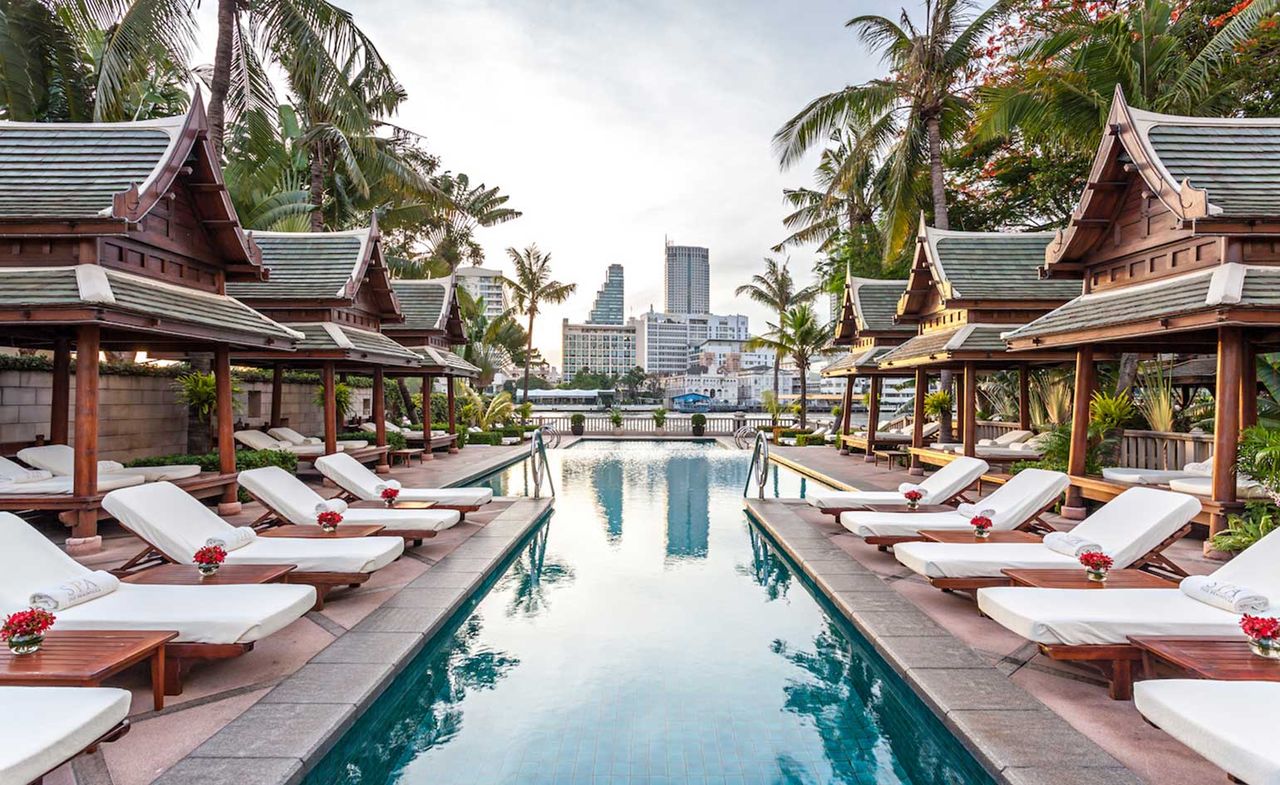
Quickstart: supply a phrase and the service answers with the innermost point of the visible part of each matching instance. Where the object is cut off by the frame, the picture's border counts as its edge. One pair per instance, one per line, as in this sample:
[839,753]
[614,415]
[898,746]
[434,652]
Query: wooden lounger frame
[1115,660]
[120,729]
[836,512]
[1153,561]
[1035,524]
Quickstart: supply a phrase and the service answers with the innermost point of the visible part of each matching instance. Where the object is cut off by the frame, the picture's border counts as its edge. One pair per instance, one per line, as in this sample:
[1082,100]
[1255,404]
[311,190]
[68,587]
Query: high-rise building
[484,284]
[599,348]
[688,279]
[664,341]
[608,307]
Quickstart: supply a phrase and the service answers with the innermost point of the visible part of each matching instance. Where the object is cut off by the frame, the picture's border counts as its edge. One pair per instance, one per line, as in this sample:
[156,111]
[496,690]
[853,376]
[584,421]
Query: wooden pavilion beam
[453,414]
[1249,387]
[59,407]
[230,502]
[845,407]
[917,421]
[380,419]
[1024,397]
[1226,425]
[85,477]
[1085,381]
[873,417]
[330,408]
[428,383]
[958,425]
[277,395]
[969,415]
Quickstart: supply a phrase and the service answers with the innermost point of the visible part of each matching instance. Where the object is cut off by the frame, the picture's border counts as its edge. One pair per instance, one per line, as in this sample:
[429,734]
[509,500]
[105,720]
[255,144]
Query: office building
[664,341]
[688,279]
[608,307]
[484,284]
[599,348]
[730,356]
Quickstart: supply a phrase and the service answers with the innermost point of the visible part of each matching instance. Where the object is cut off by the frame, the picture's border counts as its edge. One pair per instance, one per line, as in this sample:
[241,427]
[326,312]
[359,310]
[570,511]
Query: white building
[721,388]
[753,382]
[664,341]
[600,348]
[484,284]
[729,355]
[687,281]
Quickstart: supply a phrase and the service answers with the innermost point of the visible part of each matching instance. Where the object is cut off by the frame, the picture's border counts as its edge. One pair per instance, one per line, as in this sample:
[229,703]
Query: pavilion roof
[309,265]
[353,343]
[425,302]
[875,303]
[967,341]
[856,363]
[450,363]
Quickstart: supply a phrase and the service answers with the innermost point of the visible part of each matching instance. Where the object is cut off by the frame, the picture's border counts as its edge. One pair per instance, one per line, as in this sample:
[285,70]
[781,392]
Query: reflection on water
[650,635]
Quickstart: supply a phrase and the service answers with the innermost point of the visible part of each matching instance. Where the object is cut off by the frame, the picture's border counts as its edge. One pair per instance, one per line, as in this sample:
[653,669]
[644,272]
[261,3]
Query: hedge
[811,440]
[792,433]
[395,441]
[210,462]
[491,438]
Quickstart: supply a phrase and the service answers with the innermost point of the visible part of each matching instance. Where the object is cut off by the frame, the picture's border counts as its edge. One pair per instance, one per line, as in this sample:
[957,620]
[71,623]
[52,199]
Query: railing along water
[538,462]
[759,466]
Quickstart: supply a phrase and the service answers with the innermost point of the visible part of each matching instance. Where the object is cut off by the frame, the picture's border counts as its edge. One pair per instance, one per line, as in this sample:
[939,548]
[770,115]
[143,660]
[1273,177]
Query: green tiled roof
[365,342]
[59,286]
[1258,287]
[63,170]
[305,265]
[454,365]
[853,362]
[423,302]
[943,343]
[876,303]
[1237,162]
[996,265]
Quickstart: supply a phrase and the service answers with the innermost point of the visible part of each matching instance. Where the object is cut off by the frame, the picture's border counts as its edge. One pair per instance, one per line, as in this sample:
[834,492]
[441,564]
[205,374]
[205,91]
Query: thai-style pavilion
[121,236]
[432,326]
[867,326]
[1177,240]
[964,290]
[335,289]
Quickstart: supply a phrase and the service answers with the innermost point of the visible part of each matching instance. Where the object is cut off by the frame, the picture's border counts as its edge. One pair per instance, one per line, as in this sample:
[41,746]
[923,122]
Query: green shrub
[792,433]
[615,417]
[209,462]
[1057,452]
[811,440]
[1260,518]
[512,431]
[698,420]
[659,417]
[578,419]
[491,438]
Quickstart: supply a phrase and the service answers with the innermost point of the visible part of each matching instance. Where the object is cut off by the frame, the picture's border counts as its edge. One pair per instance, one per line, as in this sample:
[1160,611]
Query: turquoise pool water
[648,634]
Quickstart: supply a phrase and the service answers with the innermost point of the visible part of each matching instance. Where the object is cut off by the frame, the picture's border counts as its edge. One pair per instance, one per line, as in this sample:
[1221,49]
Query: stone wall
[141,416]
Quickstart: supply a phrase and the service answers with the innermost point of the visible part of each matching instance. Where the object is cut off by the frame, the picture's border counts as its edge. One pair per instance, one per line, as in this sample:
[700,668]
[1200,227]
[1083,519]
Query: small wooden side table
[1076,579]
[227,574]
[86,658]
[374,504]
[316,533]
[909,511]
[890,457]
[1223,659]
[406,455]
[960,536]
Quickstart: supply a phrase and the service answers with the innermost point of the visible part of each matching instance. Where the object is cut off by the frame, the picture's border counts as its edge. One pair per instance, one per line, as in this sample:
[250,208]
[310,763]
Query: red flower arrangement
[210,555]
[25,630]
[981,525]
[329,520]
[1264,635]
[389,495]
[1096,564]
[913,498]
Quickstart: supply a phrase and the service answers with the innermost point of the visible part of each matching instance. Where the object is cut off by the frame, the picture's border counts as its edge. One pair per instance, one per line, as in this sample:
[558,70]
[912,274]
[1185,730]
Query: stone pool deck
[256,718]
[1029,718]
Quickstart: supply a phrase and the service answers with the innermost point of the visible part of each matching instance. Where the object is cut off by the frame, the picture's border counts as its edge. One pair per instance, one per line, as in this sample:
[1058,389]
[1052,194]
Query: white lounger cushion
[1126,527]
[1127,476]
[257,440]
[290,436]
[1203,486]
[60,460]
[199,614]
[1025,494]
[294,501]
[64,485]
[937,487]
[42,728]
[178,525]
[355,478]
[1227,722]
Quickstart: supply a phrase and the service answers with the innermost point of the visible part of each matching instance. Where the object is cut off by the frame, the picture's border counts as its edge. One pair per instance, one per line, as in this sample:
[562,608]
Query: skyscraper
[688,279]
[607,308]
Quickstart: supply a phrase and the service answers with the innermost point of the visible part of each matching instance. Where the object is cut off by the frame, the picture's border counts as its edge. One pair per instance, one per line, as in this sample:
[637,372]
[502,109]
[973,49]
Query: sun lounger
[1128,476]
[1246,488]
[212,622]
[17,480]
[257,440]
[1094,626]
[357,482]
[290,500]
[291,436]
[369,427]
[42,728]
[1132,529]
[1018,504]
[945,485]
[1229,723]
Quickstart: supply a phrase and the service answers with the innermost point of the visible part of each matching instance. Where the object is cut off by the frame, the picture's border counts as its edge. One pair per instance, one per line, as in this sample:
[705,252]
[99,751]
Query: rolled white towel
[986,442]
[973,511]
[30,475]
[382,486]
[313,440]
[1069,544]
[69,594]
[335,505]
[239,537]
[1227,596]
[909,486]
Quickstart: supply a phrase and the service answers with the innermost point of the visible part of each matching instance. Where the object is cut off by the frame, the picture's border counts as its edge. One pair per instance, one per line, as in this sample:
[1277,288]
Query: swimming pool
[648,634]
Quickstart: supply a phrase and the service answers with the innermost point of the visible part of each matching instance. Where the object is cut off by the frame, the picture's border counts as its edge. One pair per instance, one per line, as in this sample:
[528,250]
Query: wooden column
[845,406]
[380,419]
[277,395]
[1226,423]
[453,411]
[873,416]
[969,414]
[1085,375]
[917,423]
[1024,397]
[330,409]
[428,382]
[230,503]
[958,424]
[85,477]
[1249,387]
[59,407]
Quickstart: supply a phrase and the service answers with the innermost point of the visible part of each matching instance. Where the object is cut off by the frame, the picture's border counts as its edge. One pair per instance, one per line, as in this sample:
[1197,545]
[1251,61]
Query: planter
[328,528]
[699,430]
[577,430]
[207,570]
[981,534]
[1266,647]
[25,644]
[660,431]
[618,432]
[1098,576]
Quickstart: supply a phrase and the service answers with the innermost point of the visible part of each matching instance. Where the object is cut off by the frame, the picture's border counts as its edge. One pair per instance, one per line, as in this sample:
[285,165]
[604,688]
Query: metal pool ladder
[759,468]
[538,462]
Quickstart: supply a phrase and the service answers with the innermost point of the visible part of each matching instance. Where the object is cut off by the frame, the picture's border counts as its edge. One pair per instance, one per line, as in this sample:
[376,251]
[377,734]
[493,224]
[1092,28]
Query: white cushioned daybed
[18,480]
[257,440]
[42,728]
[356,479]
[60,459]
[290,436]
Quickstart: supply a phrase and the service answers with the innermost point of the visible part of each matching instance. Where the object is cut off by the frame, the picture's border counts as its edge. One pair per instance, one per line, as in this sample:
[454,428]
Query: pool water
[648,634]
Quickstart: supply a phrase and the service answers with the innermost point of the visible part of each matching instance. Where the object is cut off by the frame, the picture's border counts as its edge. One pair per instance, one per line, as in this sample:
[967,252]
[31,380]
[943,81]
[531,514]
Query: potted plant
[578,424]
[1264,635]
[390,493]
[699,424]
[329,520]
[913,496]
[659,420]
[1108,416]
[24,631]
[1096,564]
[981,526]
[615,417]
[208,559]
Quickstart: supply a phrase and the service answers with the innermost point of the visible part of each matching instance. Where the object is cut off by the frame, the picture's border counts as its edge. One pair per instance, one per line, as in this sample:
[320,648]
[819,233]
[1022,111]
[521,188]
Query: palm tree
[801,335]
[908,116]
[845,203]
[530,289]
[449,235]
[775,289]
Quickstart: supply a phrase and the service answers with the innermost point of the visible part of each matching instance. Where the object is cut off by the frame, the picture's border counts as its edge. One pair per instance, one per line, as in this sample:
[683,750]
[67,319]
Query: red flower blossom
[981,522]
[30,622]
[210,554]
[1096,560]
[913,495]
[329,518]
[1260,627]
[390,494]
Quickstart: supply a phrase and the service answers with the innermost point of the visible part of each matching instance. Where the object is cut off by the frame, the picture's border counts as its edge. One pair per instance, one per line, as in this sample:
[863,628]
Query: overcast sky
[615,124]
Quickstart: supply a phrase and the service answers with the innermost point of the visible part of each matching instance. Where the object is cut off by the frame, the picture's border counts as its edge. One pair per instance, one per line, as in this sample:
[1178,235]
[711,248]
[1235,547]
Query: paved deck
[1020,719]
[218,695]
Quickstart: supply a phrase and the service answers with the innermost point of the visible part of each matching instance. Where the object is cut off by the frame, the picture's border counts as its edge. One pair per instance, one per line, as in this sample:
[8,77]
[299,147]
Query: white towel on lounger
[394,484]
[972,511]
[237,538]
[909,486]
[75,591]
[331,505]
[1224,595]
[1069,544]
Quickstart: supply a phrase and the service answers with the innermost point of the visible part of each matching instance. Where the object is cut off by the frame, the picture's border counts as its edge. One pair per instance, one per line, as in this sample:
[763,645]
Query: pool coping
[282,736]
[1016,738]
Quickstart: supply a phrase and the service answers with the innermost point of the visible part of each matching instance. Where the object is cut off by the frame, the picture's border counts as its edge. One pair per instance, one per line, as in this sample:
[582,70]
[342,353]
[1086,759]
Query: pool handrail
[538,461]
[759,465]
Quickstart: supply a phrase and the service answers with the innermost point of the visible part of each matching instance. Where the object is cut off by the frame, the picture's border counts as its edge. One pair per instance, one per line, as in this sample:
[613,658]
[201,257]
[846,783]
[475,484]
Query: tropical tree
[530,289]
[775,289]
[801,335]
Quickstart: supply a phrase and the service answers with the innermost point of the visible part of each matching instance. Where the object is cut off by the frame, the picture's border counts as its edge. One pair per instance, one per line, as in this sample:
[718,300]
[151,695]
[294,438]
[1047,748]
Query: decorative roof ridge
[93,284]
[171,124]
[338,335]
